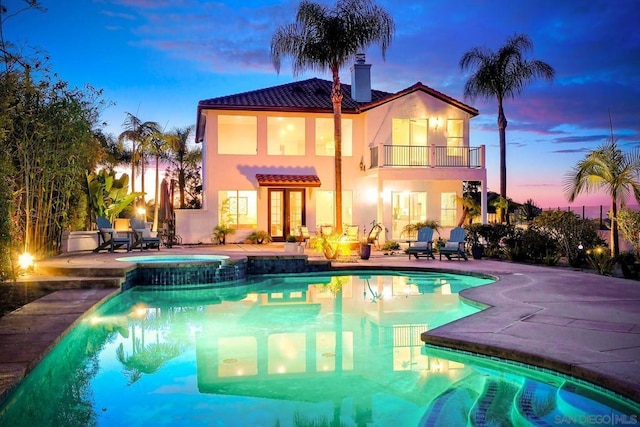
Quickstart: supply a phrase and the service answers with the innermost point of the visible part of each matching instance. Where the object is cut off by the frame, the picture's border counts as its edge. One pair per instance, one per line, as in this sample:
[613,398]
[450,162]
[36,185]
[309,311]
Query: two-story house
[268,159]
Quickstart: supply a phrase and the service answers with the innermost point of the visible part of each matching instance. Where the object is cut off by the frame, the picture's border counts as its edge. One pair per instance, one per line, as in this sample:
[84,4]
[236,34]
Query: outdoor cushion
[144,232]
[107,233]
[452,245]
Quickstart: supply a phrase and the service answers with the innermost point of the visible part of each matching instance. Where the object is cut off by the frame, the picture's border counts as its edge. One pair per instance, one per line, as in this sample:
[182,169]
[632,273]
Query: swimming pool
[339,349]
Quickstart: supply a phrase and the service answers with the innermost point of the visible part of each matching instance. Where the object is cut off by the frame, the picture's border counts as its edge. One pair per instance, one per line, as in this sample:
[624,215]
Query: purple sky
[158,58]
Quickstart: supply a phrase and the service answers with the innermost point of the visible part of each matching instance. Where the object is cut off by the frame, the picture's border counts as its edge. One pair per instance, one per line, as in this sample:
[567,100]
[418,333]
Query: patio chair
[454,248]
[424,245]
[142,236]
[108,237]
[326,230]
[374,235]
[303,234]
[352,232]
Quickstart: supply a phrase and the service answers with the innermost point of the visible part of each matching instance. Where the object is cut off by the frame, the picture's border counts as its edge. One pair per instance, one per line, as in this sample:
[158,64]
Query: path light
[25,261]
[143,213]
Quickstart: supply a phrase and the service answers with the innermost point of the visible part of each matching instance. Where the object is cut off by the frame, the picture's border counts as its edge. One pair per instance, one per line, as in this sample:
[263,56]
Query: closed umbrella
[165,213]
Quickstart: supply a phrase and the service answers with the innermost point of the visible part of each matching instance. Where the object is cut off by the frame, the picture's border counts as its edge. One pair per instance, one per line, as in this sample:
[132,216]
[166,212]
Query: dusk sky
[158,58]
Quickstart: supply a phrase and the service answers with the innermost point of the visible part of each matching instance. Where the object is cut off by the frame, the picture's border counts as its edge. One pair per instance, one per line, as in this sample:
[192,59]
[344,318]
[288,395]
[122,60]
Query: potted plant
[329,245]
[365,249]
[474,239]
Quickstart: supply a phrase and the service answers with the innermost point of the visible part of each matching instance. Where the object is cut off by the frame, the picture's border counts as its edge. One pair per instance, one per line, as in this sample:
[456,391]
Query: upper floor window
[325,144]
[237,135]
[285,136]
[455,135]
[409,132]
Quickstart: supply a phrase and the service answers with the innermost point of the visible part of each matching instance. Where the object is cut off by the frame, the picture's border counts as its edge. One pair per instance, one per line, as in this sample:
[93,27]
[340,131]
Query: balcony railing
[433,156]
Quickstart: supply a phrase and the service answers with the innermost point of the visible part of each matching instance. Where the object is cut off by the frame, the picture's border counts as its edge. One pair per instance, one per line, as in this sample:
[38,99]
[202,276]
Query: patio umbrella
[165,212]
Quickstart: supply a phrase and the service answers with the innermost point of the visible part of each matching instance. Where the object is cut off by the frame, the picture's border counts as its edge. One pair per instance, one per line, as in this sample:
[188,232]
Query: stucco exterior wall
[370,187]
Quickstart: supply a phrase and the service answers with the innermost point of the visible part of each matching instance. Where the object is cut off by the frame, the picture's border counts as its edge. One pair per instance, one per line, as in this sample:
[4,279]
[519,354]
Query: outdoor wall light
[435,122]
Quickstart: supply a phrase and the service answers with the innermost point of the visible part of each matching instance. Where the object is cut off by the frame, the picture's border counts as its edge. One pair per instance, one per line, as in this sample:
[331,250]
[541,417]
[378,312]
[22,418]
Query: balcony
[433,156]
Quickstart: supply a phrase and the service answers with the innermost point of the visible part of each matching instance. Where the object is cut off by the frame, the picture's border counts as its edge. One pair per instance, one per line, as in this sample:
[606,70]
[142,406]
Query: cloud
[571,151]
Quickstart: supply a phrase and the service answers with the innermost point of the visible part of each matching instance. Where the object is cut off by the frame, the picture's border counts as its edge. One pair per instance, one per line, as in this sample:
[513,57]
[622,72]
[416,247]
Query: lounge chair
[108,237]
[454,248]
[424,245]
[326,230]
[142,235]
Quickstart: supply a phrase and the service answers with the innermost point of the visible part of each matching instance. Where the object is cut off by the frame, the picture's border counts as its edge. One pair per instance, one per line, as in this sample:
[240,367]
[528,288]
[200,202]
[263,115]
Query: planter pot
[477,251]
[365,251]
[75,241]
[290,247]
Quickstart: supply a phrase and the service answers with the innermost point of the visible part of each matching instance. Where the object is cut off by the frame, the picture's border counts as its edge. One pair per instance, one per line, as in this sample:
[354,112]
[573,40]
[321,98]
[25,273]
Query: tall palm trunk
[142,172]
[181,185]
[133,167]
[613,238]
[157,194]
[502,130]
[336,99]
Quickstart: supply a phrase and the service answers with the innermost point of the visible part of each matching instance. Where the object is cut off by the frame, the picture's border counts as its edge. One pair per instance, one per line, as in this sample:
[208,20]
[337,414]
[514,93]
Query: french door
[286,212]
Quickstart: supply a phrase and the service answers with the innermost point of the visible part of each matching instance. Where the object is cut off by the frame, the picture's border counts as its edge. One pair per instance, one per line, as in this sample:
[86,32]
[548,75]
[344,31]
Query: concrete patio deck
[573,322]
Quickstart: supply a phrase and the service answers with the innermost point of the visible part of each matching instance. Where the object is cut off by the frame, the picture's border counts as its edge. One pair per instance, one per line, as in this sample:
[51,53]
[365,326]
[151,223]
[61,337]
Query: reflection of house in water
[324,334]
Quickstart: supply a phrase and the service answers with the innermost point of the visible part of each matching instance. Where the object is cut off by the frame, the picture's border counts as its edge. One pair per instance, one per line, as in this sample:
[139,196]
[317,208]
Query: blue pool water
[304,350]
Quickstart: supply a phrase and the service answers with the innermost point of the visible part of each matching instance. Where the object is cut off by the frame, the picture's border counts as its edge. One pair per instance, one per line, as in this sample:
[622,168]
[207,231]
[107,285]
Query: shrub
[630,269]
[391,246]
[570,232]
[629,226]
[259,237]
[411,230]
[539,247]
[600,259]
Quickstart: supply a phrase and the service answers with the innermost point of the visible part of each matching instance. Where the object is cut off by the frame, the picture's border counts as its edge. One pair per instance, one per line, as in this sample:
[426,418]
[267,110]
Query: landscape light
[25,261]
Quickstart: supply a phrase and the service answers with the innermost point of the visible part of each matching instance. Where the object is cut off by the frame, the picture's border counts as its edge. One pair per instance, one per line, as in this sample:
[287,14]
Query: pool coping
[566,320]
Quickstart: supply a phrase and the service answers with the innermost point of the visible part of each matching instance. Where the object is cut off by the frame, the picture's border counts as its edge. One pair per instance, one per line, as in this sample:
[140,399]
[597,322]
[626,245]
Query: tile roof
[313,96]
[308,95]
[274,180]
[424,88]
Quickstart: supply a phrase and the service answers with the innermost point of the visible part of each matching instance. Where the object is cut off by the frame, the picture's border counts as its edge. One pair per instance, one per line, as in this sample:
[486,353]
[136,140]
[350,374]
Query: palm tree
[610,168]
[324,38]
[499,75]
[136,131]
[158,145]
[182,156]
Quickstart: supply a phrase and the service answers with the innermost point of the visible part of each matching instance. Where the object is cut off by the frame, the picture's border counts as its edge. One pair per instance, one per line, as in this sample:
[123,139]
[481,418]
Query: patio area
[573,322]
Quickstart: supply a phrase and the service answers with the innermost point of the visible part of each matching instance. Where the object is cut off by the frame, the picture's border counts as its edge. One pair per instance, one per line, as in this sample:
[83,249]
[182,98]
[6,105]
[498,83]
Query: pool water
[304,350]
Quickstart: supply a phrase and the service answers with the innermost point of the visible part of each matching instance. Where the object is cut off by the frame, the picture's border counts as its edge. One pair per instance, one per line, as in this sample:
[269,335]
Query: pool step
[52,283]
[76,271]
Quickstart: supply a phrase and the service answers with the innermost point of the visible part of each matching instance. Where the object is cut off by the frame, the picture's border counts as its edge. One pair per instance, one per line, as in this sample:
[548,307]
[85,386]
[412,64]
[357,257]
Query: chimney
[361,80]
